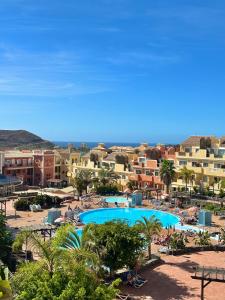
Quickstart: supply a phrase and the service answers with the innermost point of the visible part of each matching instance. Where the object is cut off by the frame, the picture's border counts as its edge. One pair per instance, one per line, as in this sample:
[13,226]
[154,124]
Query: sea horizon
[94,144]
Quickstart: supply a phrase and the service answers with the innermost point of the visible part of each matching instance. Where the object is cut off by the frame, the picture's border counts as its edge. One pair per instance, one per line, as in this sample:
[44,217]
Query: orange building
[146,168]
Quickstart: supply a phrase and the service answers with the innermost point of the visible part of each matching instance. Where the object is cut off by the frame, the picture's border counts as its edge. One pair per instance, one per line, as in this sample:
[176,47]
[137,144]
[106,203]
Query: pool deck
[172,280]
[25,218]
[169,281]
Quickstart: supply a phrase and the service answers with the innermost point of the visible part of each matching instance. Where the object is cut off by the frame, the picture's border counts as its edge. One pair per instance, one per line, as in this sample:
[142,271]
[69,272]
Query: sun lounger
[141,279]
[135,283]
[163,250]
[35,207]
[123,297]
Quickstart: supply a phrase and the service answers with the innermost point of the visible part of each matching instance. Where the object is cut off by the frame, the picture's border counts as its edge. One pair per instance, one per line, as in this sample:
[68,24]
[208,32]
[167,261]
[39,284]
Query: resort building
[205,156]
[19,164]
[44,167]
[146,168]
[64,158]
[101,157]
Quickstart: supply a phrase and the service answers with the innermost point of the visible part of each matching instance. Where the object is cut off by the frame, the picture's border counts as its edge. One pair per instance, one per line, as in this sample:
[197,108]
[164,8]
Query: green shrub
[22,204]
[44,201]
[107,190]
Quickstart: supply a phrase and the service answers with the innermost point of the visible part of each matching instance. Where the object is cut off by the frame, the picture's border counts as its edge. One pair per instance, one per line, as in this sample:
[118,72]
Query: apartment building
[19,164]
[146,168]
[64,159]
[100,157]
[205,156]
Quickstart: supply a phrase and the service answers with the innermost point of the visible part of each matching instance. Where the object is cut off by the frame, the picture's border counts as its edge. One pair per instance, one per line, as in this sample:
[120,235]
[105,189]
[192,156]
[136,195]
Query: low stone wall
[154,262]
[197,249]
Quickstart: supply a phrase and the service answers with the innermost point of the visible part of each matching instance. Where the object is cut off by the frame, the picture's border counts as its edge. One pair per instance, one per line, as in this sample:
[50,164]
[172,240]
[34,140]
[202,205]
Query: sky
[113,70]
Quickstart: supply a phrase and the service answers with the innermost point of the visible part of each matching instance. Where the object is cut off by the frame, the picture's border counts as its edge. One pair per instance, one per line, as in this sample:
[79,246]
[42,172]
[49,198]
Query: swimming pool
[130,215]
[115,199]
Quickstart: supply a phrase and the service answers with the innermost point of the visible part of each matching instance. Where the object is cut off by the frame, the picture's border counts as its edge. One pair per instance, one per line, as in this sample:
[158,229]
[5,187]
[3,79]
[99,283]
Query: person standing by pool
[116,204]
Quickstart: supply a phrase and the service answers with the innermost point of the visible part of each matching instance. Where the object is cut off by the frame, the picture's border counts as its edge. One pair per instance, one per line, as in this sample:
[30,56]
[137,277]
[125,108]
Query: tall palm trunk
[150,249]
[168,189]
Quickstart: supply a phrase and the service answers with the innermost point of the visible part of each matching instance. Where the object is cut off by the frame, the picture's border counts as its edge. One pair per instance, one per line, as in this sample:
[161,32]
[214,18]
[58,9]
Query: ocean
[94,144]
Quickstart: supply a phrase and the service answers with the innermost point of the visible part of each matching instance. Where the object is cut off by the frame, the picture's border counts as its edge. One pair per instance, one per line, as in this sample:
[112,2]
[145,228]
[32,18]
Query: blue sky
[113,70]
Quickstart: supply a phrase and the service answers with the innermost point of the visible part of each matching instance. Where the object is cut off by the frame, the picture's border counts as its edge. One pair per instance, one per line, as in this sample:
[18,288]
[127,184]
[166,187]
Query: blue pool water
[130,215]
[79,232]
[115,199]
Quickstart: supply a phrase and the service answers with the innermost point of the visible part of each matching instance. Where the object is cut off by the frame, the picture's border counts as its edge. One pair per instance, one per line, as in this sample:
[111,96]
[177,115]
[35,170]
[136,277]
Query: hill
[22,139]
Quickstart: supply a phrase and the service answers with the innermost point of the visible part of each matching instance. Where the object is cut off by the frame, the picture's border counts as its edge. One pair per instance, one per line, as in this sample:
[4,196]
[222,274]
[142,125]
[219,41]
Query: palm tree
[186,175]
[202,238]
[65,245]
[131,185]
[21,239]
[167,173]
[44,249]
[78,184]
[107,176]
[82,180]
[149,227]
[177,241]
[87,176]
[68,239]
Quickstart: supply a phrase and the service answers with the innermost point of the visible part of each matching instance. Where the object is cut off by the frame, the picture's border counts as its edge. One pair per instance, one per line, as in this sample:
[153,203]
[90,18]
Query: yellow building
[100,157]
[205,156]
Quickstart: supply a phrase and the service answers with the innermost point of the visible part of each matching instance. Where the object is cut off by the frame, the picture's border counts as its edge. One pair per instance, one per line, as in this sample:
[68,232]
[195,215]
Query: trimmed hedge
[197,249]
[104,190]
[44,201]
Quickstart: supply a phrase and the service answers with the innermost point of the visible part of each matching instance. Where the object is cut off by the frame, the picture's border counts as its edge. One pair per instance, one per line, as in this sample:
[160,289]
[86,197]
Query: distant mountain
[22,139]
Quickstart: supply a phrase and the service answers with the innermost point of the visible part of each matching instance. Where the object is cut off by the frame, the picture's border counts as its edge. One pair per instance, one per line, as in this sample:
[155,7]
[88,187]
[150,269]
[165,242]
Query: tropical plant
[67,238]
[167,173]
[69,281]
[21,239]
[66,269]
[87,176]
[186,174]
[108,189]
[116,243]
[82,180]
[131,185]
[178,241]
[5,240]
[107,176]
[149,227]
[202,238]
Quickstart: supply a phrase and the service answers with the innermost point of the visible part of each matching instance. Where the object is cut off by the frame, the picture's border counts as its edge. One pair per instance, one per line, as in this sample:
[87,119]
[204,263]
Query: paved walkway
[172,280]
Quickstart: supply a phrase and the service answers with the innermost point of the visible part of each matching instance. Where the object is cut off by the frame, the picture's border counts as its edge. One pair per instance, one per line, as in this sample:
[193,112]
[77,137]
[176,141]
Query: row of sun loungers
[35,207]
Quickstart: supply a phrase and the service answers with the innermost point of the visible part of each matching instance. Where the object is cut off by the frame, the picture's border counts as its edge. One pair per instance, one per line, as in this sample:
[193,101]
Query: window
[138,171]
[148,172]
[217,166]
[205,165]
[196,164]
[156,173]
[182,163]
[142,159]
